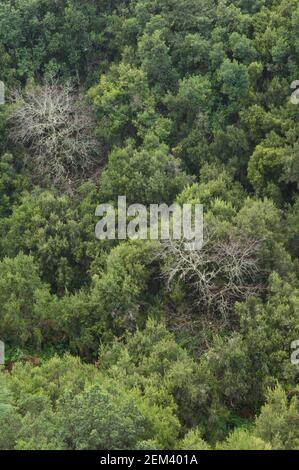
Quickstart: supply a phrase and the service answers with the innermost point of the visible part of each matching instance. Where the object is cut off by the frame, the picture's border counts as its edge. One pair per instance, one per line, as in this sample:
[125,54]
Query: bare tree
[222,272]
[57,128]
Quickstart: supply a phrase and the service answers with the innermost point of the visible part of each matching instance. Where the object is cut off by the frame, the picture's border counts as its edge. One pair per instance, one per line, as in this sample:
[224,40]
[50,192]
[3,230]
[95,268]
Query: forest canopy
[121,344]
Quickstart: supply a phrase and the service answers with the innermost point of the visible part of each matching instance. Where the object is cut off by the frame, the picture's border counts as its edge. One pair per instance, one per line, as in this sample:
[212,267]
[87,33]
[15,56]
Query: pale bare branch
[57,127]
[221,273]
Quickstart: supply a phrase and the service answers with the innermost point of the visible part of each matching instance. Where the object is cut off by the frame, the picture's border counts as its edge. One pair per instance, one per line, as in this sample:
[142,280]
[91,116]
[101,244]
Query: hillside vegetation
[134,344]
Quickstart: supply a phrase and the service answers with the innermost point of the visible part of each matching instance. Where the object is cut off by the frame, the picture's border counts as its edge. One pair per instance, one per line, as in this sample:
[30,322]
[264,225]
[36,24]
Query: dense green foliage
[191,103]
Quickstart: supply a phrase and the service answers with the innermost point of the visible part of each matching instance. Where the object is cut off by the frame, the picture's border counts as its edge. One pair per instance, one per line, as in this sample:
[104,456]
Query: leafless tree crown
[57,128]
[221,273]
